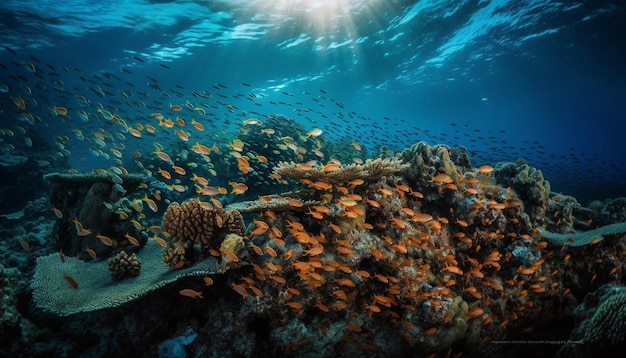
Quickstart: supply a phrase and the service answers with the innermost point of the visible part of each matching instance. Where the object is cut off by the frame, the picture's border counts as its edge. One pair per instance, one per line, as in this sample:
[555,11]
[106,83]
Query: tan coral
[191,223]
[174,257]
[123,266]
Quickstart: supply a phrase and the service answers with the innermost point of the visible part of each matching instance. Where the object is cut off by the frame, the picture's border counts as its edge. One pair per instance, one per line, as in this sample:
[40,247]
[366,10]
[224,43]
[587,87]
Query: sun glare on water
[327,16]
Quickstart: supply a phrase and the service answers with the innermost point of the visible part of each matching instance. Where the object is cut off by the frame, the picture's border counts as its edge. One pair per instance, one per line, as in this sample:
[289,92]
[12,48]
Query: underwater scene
[312,178]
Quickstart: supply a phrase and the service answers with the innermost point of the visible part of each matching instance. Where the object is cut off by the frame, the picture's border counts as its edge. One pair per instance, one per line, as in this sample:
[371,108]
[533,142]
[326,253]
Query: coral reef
[423,255]
[123,266]
[529,184]
[602,324]
[15,331]
[609,211]
[92,215]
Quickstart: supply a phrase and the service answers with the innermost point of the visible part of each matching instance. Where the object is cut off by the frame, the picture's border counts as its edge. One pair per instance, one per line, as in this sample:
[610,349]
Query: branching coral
[123,266]
[194,223]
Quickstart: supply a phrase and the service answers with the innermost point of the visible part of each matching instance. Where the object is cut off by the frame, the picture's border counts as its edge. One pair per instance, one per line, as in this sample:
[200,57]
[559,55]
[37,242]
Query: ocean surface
[540,81]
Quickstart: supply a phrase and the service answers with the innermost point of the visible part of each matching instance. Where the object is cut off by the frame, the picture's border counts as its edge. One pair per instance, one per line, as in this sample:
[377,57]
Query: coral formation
[123,266]
[91,218]
[96,288]
[585,237]
[529,184]
[426,161]
[14,329]
[175,347]
[602,324]
[334,174]
[196,229]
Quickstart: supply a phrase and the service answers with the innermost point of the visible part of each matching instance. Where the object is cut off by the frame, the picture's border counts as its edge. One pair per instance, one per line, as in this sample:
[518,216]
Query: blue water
[536,80]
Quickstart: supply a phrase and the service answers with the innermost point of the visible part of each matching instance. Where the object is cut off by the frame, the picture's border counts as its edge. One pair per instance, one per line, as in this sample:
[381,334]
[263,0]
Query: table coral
[370,170]
[97,289]
[585,237]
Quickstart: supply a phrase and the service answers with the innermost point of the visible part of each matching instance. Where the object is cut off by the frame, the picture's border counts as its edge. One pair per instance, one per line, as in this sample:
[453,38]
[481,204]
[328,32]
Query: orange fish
[160,241]
[24,244]
[164,156]
[167,123]
[134,132]
[61,111]
[485,169]
[201,149]
[57,213]
[179,170]
[91,252]
[165,174]
[151,204]
[232,257]
[422,218]
[80,230]
[295,203]
[240,289]
[207,190]
[175,107]
[197,125]
[442,178]
[296,306]
[132,239]
[190,293]
[207,280]
[238,188]
[105,240]
[71,280]
[200,180]
[182,135]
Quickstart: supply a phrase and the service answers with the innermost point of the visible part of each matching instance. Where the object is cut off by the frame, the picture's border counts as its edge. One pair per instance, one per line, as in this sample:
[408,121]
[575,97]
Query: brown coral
[193,223]
[123,266]
[174,257]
